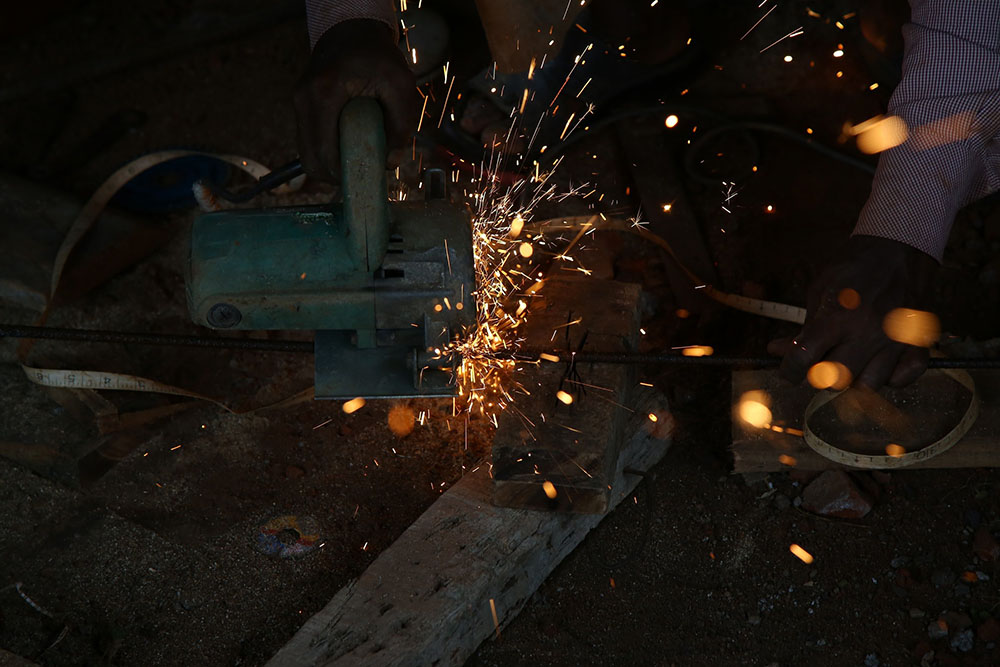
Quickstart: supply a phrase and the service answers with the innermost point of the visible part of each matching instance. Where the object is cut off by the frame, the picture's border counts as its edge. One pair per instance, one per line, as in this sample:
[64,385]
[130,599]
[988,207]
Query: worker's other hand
[355,58]
[848,304]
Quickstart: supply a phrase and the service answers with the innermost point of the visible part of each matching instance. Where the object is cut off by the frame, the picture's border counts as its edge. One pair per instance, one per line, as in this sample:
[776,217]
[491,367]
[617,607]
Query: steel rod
[97,336]
[306,347]
[712,360]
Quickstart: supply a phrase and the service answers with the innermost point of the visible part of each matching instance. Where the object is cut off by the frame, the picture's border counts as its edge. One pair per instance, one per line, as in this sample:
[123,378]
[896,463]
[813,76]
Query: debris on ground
[834,494]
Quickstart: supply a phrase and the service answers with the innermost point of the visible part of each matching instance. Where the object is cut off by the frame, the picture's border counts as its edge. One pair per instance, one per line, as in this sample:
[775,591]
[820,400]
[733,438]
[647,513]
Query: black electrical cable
[771,128]
[728,125]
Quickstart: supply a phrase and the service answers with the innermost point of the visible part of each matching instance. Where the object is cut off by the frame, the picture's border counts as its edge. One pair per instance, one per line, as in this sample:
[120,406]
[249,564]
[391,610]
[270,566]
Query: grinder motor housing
[383,284]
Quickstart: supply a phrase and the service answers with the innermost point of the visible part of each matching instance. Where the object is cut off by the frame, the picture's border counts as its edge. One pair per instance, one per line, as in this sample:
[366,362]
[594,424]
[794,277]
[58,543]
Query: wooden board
[758,450]
[8,659]
[574,447]
[75,464]
[426,600]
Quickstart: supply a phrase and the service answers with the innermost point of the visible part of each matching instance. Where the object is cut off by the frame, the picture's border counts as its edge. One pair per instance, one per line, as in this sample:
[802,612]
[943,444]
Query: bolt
[224,316]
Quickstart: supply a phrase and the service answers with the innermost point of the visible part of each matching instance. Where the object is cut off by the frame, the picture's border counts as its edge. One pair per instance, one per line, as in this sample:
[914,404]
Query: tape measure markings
[85,219]
[797,315]
[77,379]
[937,447]
[91,211]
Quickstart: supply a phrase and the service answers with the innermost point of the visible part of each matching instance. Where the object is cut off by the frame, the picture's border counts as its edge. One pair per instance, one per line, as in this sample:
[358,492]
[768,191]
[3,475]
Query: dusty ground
[154,562]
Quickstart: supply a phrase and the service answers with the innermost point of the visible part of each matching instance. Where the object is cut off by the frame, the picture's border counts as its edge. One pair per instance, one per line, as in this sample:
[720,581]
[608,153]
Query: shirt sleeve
[321,15]
[949,97]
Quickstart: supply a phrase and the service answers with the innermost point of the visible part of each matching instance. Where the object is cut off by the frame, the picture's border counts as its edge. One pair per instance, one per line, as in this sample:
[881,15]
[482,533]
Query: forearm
[950,99]
[321,15]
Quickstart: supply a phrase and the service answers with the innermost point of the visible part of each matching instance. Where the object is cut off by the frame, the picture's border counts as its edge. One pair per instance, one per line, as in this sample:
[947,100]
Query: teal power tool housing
[383,284]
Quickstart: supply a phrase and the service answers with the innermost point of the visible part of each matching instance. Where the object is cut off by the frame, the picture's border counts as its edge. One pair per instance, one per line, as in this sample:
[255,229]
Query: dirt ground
[146,555]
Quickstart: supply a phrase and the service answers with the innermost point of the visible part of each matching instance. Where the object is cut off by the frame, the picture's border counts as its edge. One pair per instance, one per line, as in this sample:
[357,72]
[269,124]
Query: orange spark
[801,554]
[353,405]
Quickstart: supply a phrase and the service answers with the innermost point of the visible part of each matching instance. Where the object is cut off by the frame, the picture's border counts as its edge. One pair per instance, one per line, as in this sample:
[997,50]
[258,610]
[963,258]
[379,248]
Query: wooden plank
[75,464]
[657,179]
[8,659]
[426,599]
[572,446]
[758,450]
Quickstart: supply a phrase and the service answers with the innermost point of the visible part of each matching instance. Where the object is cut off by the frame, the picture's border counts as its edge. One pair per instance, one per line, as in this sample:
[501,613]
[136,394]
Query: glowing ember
[481,356]
[354,405]
[849,299]
[565,397]
[402,420]
[550,489]
[895,451]
[698,351]
[912,327]
[787,460]
[753,409]
[496,621]
[801,554]
[653,418]
[671,121]
[880,133]
[516,225]
[829,375]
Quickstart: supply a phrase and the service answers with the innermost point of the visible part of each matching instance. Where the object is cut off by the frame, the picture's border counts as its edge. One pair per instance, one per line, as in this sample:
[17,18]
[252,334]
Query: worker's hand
[355,58]
[847,306]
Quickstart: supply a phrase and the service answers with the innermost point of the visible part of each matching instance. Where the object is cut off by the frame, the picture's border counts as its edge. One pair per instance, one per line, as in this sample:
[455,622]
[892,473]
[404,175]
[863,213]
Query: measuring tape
[97,380]
[797,315]
[937,447]
[110,187]
[769,309]
[85,219]
[76,379]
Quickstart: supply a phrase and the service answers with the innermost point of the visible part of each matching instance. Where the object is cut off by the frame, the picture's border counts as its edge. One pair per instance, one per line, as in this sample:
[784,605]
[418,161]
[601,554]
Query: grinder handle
[362,164]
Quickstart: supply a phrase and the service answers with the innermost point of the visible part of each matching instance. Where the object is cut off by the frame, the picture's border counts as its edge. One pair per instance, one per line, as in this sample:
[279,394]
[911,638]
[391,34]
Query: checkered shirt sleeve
[949,97]
[321,15]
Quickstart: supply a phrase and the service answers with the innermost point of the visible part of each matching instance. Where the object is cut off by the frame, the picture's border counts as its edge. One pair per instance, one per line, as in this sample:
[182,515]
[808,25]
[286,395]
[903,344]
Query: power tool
[385,285]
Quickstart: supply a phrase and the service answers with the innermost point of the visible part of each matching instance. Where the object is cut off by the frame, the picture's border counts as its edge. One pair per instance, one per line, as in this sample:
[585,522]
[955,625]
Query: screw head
[224,316]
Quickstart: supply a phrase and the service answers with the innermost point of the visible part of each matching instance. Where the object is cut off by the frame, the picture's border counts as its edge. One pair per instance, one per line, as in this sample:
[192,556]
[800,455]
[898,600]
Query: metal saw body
[380,282]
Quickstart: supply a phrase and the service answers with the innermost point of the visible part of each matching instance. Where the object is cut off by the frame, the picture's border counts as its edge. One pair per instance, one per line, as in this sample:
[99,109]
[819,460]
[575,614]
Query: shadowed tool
[381,283]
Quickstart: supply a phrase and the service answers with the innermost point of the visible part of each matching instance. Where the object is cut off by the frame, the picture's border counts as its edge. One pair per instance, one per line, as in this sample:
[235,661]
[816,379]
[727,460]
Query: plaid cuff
[321,15]
[949,98]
